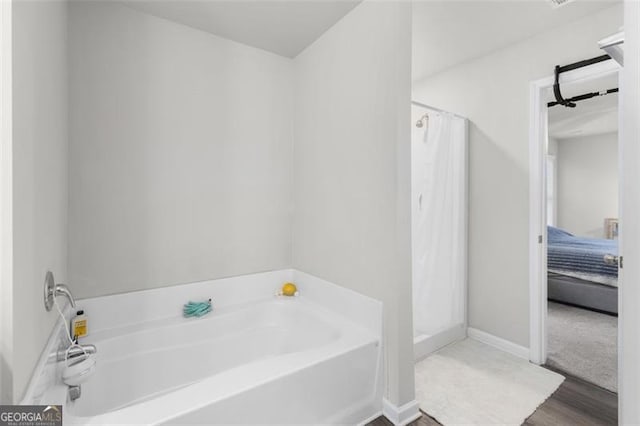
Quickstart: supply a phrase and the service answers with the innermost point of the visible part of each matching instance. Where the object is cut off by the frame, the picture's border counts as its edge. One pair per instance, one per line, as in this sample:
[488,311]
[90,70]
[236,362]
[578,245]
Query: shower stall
[439,147]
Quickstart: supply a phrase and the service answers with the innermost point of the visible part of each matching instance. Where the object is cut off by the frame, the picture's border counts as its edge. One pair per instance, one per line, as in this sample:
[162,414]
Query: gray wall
[493,92]
[352,169]
[39,174]
[587,183]
[180,154]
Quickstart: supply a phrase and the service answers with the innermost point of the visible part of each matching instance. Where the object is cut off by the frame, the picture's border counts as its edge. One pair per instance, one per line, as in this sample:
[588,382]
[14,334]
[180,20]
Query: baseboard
[401,416]
[498,342]
[424,346]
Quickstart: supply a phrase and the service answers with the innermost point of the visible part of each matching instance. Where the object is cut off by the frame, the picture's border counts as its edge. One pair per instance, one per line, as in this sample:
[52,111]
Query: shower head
[421,122]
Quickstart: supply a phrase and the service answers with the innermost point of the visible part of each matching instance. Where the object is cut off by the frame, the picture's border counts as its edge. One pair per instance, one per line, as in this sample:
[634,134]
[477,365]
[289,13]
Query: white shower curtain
[439,151]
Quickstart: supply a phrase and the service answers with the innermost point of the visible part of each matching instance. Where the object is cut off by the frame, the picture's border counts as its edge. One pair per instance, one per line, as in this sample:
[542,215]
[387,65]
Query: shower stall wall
[439,227]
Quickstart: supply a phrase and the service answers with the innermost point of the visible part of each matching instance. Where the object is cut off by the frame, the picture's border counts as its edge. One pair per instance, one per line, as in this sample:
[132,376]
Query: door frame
[629,296]
[538,137]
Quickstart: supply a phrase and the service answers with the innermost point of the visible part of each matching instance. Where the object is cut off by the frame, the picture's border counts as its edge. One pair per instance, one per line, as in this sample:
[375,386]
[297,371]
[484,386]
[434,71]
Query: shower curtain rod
[436,109]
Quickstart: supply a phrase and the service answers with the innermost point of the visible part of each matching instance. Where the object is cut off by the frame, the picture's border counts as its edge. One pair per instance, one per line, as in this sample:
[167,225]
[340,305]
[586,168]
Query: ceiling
[593,116]
[282,27]
[449,32]
[445,32]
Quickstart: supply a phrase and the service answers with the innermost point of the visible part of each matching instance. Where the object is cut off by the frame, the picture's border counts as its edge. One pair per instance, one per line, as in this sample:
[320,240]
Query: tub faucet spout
[53,290]
[63,290]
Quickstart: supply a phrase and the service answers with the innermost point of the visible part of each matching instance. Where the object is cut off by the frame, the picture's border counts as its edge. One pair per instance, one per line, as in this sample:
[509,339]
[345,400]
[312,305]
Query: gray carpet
[583,343]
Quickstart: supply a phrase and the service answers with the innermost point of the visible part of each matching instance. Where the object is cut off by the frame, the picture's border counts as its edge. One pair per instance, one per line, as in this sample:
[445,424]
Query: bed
[577,273]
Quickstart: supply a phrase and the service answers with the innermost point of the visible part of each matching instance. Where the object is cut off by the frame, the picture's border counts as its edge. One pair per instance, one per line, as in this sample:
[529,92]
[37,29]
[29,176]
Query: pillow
[554,233]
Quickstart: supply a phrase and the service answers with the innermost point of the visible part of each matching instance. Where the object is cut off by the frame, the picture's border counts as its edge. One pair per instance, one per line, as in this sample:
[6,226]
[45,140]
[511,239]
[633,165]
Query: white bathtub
[270,360]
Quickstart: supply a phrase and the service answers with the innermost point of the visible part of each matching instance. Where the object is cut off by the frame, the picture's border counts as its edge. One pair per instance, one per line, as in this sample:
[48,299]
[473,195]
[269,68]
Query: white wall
[180,154]
[493,92]
[552,147]
[181,159]
[587,170]
[6,227]
[352,169]
[629,295]
[39,173]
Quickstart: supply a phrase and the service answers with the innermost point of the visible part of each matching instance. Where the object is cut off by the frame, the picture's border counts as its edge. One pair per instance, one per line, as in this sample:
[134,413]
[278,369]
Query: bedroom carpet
[472,383]
[583,343]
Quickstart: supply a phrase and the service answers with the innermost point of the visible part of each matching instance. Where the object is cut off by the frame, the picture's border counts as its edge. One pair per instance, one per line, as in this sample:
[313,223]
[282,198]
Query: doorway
[582,182]
[573,248]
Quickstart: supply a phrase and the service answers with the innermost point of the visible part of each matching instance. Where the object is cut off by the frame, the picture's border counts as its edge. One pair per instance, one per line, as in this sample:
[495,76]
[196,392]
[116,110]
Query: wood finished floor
[576,402]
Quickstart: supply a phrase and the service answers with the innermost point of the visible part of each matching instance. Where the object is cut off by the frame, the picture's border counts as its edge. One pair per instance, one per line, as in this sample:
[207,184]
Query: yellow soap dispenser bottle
[80,325]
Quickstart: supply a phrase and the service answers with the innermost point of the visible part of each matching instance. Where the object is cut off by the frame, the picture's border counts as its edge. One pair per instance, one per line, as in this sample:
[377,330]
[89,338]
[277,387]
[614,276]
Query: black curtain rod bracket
[556,91]
[570,103]
[584,63]
[585,96]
